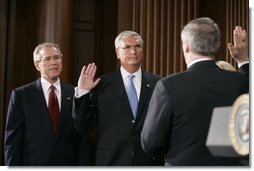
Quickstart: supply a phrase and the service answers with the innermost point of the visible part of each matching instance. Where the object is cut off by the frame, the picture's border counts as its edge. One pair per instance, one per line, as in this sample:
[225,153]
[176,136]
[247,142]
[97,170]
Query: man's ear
[36,64]
[117,53]
[185,47]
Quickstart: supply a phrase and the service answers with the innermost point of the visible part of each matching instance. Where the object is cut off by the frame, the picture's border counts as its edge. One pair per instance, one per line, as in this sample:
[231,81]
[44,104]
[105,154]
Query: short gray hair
[126,34]
[203,36]
[36,55]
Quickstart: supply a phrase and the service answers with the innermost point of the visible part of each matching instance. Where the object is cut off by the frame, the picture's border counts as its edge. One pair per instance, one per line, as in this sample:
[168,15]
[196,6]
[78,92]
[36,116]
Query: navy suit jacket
[119,133]
[29,139]
[180,110]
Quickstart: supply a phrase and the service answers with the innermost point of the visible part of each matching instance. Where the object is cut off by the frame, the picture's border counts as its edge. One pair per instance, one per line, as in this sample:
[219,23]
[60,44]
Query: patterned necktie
[53,109]
[132,95]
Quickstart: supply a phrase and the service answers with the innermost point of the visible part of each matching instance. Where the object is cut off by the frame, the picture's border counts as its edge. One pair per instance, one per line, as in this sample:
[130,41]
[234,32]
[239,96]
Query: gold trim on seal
[239,125]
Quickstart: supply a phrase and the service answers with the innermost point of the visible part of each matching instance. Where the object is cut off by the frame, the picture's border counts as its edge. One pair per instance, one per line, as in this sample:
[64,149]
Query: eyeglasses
[128,48]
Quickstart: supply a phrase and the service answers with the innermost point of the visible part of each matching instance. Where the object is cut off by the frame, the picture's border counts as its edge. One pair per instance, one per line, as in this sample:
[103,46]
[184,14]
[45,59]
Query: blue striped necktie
[132,95]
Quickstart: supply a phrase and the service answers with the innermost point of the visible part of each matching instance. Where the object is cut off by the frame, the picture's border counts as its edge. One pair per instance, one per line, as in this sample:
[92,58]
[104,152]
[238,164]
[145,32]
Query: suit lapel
[66,103]
[120,90]
[42,102]
[145,93]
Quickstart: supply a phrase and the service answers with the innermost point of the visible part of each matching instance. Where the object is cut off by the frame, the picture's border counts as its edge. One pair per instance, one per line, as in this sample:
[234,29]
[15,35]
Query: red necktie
[53,109]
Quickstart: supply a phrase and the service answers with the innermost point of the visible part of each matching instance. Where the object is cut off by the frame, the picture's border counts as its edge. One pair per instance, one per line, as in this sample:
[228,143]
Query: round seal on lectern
[239,125]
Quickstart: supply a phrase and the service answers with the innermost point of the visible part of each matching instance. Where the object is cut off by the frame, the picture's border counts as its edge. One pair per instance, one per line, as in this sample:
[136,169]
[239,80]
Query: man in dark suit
[181,106]
[30,138]
[119,125]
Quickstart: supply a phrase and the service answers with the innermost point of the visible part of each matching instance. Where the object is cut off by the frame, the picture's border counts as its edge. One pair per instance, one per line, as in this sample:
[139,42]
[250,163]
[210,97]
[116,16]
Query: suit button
[132,154]
[133,121]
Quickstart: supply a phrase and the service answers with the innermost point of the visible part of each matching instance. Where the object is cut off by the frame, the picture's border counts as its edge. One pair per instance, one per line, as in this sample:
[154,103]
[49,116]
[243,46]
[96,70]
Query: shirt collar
[198,60]
[46,85]
[125,73]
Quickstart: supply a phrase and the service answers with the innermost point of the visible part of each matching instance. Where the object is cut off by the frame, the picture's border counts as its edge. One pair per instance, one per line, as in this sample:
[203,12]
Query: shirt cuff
[80,92]
[242,63]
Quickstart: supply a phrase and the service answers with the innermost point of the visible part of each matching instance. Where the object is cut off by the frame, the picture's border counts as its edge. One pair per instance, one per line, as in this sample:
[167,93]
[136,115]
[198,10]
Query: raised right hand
[86,79]
[239,50]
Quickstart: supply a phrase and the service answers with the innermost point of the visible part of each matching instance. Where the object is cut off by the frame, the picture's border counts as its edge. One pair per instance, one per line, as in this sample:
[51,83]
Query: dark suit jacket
[119,133]
[180,111]
[29,139]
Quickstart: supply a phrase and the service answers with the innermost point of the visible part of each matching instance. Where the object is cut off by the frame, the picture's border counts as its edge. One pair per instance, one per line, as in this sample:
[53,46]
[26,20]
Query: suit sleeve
[14,136]
[85,113]
[156,128]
